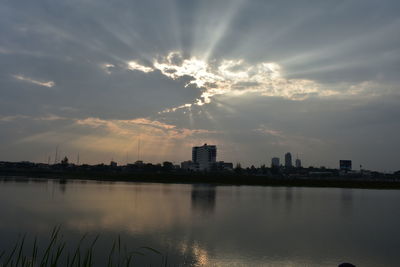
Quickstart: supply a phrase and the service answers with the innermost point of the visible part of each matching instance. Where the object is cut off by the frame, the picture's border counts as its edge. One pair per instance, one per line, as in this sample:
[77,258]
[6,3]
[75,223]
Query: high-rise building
[275,162]
[298,163]
[204,157]
[288,160]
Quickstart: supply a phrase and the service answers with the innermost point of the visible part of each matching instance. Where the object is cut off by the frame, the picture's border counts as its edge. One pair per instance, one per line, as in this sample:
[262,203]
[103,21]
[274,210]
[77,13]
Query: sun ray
[211,26]
[190,115]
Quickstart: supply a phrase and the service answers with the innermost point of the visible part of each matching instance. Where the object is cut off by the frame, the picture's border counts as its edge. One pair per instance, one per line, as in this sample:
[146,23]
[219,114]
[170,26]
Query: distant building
[288,160]
[139,163]
[113,164]
[224,166]
[345,165]
[298,163]
[275,162]
[204,157]
[188,165]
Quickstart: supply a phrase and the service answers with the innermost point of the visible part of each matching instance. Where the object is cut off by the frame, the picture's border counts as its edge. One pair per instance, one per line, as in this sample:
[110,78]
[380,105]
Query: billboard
[345,165]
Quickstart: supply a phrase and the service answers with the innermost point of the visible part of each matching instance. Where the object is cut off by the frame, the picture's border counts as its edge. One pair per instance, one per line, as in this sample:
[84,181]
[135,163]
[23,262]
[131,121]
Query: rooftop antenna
[56,155]
[48,160]
[138,149]
[77,159]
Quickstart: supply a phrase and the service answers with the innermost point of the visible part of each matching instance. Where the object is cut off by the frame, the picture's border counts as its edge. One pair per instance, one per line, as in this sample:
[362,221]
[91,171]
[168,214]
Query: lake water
[202,225]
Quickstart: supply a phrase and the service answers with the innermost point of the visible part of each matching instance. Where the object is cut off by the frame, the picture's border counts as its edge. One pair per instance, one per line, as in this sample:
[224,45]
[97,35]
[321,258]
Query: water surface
[202,225]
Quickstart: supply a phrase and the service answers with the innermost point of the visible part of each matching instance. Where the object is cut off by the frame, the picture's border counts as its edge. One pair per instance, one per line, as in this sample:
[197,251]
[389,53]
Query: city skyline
[256,78]
[204,158]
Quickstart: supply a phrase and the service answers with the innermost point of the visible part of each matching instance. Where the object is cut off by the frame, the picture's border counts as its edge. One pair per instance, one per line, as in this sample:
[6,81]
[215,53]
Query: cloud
[302,76]
[12,118]
[107,67]
[264,130]
[99,139]
[289,140]
[49,117]
[232,77]
[48,84]
[4,50]
[372,88]
[237,77]
[133,65]
[129,127]
[141,125]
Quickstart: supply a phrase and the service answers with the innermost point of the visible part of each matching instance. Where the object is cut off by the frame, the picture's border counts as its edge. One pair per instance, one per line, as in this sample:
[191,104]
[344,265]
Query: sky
[127,80]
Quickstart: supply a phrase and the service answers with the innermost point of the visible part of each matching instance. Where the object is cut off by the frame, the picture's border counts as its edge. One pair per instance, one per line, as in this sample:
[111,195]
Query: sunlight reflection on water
[203,225]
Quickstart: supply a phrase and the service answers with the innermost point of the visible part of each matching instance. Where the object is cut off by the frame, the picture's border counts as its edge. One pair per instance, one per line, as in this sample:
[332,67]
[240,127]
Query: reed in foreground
[55,253]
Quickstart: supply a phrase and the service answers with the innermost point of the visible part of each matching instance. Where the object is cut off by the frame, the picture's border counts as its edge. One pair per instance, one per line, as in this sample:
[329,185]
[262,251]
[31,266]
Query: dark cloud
[349,49]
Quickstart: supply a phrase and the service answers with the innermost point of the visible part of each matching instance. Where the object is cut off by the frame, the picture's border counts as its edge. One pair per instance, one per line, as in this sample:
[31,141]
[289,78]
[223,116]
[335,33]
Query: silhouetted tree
[253,169]
[275,169]
[64,161]
[264,169]
[167,166]
[238,168]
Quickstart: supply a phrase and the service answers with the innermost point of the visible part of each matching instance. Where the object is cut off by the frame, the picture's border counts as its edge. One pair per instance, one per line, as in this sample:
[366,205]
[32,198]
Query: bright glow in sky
[132,65]
[235,78]
[48,84]
[256,78]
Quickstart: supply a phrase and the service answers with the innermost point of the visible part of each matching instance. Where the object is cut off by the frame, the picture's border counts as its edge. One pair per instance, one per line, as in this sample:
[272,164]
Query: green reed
[55,254]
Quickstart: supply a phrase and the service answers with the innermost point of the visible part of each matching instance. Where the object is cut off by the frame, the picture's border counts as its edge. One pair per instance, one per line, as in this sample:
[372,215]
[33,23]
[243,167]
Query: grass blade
[110,255]
[77,250]
[60,249]
[128,261]
[11,255]
[34,252]
[152,249]
[2,254]
[20,250]
[166,260]
[46,255]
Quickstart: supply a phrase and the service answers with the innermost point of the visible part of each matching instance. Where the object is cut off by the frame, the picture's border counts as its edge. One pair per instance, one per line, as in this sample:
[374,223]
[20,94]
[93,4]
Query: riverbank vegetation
[166,173]
[58,253]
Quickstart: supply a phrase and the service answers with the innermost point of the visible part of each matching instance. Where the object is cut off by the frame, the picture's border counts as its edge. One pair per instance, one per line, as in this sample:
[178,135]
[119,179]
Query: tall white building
[204,157]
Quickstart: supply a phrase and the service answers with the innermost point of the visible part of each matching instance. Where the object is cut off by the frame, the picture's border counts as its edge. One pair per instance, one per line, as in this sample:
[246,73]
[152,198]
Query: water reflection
[62,185]
[275,194]
[203,198]
[252,226]
[346,201]
[288,197]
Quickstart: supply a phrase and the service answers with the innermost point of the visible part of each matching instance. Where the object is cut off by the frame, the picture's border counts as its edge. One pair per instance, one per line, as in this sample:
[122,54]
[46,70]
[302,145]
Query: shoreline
[227,179]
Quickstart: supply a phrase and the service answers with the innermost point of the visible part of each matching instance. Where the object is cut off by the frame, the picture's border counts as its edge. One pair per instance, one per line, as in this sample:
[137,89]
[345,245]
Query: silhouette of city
[204,167]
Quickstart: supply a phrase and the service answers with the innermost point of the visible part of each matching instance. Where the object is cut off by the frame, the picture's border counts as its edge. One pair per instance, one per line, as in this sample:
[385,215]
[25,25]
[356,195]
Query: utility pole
[138,149]
[56,155]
